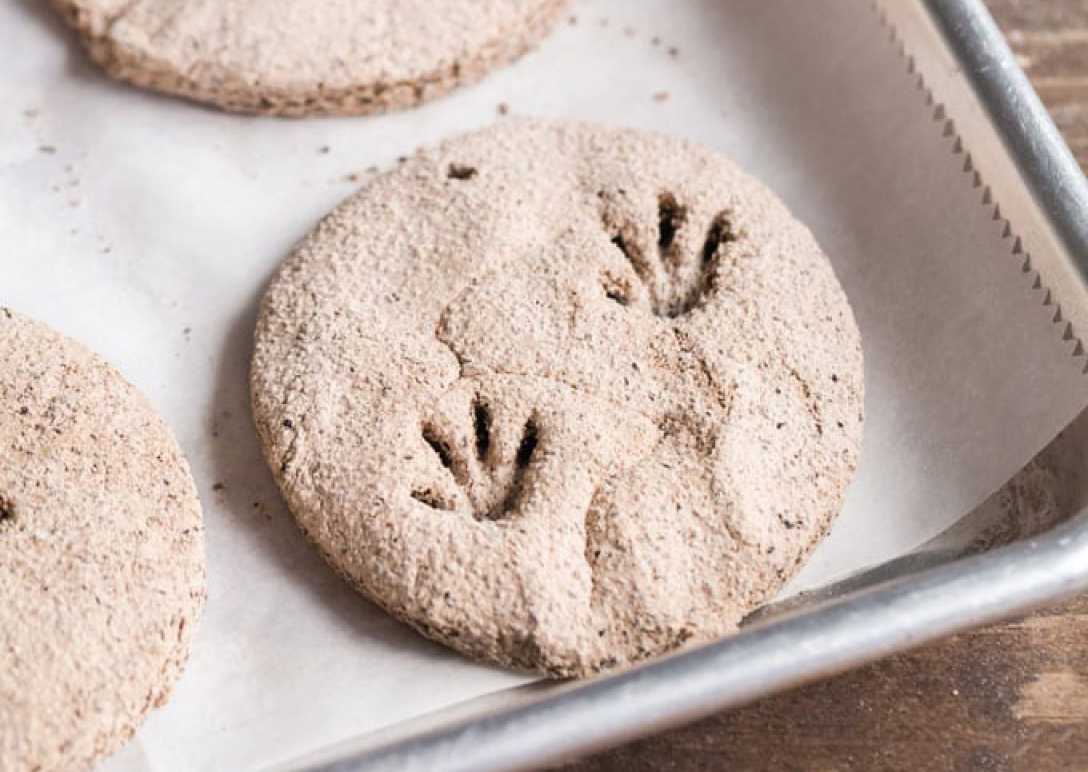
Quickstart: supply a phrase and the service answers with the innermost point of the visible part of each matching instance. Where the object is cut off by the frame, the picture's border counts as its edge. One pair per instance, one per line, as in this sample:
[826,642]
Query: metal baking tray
[901,132]
[964,578]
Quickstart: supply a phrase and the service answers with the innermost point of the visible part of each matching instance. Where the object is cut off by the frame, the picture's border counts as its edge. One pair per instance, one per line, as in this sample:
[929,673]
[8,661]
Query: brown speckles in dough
[538,409]
[101,554]
[293,57]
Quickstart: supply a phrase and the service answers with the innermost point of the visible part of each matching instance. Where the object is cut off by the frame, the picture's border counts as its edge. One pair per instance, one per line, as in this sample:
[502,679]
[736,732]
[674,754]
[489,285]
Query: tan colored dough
[687,415]
[101,554]
[296,57]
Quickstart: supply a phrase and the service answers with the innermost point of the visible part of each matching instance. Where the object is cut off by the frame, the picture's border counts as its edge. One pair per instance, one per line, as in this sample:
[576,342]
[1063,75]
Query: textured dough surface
[101,554]
[561,396]
[301,57]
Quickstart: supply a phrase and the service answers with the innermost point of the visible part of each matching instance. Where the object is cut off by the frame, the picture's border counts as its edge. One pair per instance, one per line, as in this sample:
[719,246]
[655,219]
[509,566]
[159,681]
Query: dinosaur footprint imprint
[677,272]
[484,470]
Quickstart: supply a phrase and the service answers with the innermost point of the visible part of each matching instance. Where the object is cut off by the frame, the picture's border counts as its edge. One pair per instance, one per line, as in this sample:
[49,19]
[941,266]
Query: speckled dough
[101,554]
[561,396]
[297,57]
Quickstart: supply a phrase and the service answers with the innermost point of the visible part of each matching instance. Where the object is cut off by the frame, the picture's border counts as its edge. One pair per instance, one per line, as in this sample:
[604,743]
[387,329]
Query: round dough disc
[296,57]
[559,395]
[101,554]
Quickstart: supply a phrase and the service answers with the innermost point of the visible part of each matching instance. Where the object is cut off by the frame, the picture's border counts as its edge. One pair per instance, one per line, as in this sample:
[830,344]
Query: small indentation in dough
[441,449]
[788,524]
[432,500]
[461,172]
[482,420]
[621,245]
[510,499]
[7,510]
[616,296]
[528,445]
[670,216]
[718,233]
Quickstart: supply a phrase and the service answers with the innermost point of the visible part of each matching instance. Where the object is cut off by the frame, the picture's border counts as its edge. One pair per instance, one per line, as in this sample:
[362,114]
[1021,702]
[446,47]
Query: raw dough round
[295,57]
[101,554]
[561,396]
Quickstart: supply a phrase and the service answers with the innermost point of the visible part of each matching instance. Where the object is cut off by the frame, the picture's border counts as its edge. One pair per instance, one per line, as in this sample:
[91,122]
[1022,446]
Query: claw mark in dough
[7,510]
[676,281]
[491,487]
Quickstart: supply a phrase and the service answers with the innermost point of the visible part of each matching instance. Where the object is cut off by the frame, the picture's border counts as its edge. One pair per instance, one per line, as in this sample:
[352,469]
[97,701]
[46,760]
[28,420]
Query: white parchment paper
[147,227]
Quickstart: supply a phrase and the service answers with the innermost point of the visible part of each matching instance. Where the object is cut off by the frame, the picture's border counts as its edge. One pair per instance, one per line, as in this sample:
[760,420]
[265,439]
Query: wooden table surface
[1013,697]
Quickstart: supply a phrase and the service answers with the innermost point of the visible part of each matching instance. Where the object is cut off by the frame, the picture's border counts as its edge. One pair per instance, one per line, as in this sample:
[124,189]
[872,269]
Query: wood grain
[1009,698]
[1050,39]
